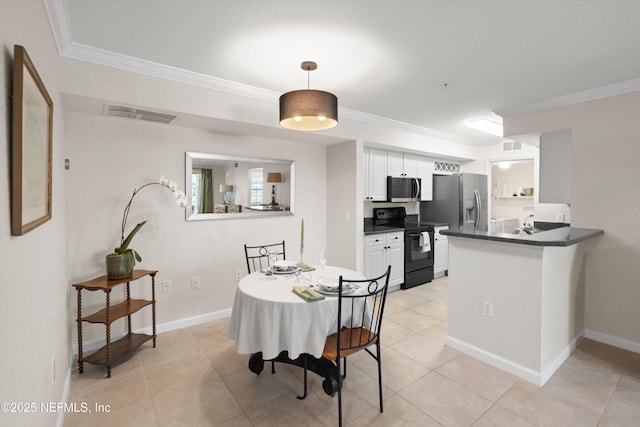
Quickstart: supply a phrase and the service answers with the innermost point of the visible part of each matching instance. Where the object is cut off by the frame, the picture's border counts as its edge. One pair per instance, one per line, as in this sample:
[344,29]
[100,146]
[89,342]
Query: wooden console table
[112,351]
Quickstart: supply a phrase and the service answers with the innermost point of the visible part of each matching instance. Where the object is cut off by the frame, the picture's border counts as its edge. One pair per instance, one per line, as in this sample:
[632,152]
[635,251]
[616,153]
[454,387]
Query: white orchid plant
[181,200]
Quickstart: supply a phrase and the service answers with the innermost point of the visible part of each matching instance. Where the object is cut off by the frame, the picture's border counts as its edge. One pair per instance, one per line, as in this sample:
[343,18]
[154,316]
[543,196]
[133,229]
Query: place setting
[284,267]
[330,286]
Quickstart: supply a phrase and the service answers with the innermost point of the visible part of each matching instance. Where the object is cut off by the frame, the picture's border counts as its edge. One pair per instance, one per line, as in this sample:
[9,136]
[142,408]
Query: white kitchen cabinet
[402,164]
[440,253]
[375,174]
[382,250]
[425,173]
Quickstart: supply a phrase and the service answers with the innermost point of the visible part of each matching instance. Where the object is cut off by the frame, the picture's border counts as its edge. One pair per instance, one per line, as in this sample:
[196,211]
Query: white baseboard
[160,328]
[187,322]
[611,340]
[527,374]
[560,358]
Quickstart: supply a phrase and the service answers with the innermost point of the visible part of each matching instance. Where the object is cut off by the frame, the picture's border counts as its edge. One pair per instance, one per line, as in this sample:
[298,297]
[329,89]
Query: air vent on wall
[137,113]
[511,146]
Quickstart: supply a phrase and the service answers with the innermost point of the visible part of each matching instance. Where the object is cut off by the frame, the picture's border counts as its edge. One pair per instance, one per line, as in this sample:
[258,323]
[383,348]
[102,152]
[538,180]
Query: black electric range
[418,257]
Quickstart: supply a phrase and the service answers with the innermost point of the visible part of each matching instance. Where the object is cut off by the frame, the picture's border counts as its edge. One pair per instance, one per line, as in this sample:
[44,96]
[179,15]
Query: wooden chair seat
[352,340]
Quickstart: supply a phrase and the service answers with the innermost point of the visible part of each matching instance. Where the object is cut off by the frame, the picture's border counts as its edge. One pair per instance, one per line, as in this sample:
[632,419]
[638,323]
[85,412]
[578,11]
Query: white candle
[302,234]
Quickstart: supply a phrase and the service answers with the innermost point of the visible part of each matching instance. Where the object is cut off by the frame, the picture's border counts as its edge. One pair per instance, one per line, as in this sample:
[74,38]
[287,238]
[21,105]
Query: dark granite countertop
[376,229]
[565,236]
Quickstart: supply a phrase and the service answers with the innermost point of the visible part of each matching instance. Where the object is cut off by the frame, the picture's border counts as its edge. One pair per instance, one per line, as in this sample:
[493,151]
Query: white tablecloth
[268,317]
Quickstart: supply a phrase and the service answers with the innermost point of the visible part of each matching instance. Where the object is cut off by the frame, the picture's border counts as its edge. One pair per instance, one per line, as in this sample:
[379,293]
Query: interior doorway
[512,194]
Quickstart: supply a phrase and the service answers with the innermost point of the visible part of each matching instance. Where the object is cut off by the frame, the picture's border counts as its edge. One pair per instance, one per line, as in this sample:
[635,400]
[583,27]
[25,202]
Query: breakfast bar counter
[517,301]
[565,236]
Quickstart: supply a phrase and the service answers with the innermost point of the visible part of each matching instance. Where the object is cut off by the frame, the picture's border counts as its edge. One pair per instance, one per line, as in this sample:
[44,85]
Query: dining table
[272,323]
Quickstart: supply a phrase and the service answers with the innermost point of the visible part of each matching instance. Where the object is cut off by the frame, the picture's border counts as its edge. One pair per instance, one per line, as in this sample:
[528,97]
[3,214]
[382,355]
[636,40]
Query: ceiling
[428,63]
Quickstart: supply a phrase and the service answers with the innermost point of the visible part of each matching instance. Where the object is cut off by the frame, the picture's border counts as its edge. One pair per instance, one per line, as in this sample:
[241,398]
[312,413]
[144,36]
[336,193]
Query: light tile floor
[195,378]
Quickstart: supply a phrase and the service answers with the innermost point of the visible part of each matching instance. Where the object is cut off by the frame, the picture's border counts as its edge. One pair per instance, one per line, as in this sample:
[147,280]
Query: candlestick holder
[301,252]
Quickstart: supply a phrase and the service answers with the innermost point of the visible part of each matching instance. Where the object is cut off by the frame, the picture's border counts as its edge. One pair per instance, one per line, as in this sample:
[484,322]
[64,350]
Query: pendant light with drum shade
[308,109]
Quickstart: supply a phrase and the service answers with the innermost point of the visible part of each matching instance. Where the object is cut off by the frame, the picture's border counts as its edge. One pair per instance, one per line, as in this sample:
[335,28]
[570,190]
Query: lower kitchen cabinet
[440,253]
[381,250]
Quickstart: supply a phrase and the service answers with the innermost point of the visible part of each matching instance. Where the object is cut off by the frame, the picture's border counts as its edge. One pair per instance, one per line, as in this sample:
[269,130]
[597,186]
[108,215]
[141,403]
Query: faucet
[526,222]
[527,227]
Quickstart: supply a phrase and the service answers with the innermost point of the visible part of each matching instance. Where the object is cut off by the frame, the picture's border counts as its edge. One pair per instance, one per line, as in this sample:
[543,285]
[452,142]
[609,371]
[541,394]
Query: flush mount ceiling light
[307,109]
[486,125]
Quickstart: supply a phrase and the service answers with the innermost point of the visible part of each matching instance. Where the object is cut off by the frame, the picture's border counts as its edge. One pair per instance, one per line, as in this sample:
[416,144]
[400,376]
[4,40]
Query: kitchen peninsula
[517,301]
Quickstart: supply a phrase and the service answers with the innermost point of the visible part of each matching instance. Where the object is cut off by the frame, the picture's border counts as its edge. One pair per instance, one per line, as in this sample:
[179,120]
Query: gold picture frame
[31,147]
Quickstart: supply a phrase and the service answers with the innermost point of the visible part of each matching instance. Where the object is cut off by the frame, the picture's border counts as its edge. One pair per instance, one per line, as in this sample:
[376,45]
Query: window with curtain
[256,177]
[205,195]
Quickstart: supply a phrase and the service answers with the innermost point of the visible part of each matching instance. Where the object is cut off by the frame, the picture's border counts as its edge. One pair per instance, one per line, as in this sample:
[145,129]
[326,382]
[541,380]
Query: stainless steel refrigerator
[459,200]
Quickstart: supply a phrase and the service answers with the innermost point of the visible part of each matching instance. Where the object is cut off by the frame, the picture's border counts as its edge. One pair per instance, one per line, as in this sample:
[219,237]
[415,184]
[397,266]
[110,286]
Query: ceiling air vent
[511,146]
[137,113]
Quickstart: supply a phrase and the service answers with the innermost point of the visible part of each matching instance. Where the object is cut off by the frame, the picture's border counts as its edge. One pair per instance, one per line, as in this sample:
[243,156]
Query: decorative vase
[120,266]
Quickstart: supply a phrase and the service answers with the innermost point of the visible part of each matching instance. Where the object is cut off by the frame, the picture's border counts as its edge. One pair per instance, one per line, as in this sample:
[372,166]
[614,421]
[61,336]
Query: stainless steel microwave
[403,189]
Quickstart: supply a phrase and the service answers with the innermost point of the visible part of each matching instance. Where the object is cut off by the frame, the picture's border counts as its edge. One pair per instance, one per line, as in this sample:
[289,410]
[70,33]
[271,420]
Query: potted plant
[121,261]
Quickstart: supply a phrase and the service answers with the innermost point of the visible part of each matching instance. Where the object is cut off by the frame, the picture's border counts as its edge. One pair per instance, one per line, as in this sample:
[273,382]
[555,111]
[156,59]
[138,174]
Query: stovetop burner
[397,217]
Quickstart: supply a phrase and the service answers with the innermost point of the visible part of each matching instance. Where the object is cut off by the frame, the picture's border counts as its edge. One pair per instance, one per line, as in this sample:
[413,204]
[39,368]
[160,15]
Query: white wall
[110,157]
[506,182]
[604,194]
[33,268]
[344,226]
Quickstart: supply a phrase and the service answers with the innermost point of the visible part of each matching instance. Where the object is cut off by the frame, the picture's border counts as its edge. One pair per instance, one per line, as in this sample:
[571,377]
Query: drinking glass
[323,259]
[273,256]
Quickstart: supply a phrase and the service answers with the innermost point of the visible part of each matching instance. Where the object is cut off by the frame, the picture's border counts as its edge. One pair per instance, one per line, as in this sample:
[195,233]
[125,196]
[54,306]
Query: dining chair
[258,259]
[258,256]
[358,327]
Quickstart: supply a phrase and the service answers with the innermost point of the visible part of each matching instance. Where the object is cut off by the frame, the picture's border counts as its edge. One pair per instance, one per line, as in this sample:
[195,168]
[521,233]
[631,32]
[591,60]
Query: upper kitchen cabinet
[402,164]
[375,174]
[425,173]
[555,167]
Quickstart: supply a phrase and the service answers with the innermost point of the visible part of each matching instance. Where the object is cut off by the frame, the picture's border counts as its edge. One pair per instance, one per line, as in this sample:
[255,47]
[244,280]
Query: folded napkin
[307,294]
[305,267]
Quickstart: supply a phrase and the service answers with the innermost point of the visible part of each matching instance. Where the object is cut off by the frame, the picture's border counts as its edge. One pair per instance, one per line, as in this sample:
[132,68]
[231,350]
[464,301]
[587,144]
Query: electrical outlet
[166,286]
[53,369]
[487,309]
[195,282]
[238,275]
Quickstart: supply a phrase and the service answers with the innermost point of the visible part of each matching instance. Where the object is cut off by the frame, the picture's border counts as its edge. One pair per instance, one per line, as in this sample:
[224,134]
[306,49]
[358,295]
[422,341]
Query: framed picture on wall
[31,147]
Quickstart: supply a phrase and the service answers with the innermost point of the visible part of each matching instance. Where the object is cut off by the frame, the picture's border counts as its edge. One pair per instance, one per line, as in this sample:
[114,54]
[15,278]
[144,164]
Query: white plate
[333,290]
[329,284]
[285,265]
[285,271]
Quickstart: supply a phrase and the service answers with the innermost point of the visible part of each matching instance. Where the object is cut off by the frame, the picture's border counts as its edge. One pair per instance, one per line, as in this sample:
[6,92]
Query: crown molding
[395,124]
[572,98]
[61,28]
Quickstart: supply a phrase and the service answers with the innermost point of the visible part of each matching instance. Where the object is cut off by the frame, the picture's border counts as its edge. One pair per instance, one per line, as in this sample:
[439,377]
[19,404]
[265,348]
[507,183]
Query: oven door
[415,258]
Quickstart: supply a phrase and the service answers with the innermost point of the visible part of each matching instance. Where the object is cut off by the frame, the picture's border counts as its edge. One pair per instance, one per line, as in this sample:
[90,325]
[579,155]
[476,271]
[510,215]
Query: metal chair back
[258,256]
